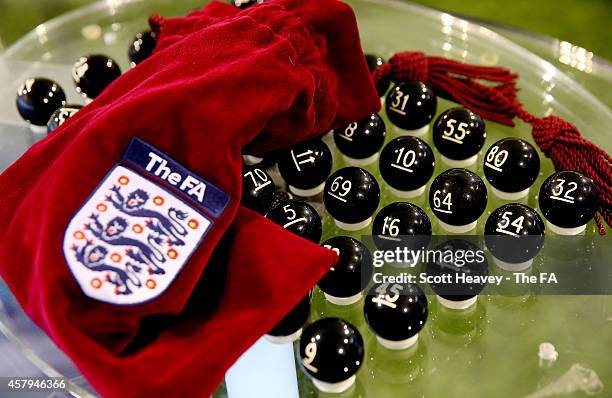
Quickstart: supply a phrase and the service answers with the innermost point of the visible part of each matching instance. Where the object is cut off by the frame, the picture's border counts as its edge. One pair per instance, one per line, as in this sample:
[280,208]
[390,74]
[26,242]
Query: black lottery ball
[141,47]
[511,165]
[457,273]
[305,166]
[278,198]
[257,188]
[411,105]
[458,197]
[406,163]
[61,115]
[38,98]
[93,73]
[362,139]
[331,350]
[459,133]
[351,195]
[568,199]
[298,217]
[514,233]
[374,62]
[353,270]
[293,321]
[395,312]
[401,224]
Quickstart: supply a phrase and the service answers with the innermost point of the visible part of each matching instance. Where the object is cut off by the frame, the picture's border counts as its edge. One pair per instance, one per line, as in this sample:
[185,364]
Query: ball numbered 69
[351,196]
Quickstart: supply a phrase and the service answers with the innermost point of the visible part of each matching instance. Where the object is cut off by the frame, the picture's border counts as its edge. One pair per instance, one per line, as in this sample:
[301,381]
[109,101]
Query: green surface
[585,23]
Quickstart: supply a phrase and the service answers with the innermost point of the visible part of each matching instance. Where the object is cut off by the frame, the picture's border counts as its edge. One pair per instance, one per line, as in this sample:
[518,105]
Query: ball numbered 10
[406,164]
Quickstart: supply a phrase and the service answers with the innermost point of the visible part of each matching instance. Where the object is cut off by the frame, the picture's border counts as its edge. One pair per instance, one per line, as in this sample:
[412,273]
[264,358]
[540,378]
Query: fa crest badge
[130,239]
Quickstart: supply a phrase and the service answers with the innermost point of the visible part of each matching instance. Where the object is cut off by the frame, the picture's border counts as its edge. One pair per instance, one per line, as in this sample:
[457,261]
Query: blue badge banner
[154,163]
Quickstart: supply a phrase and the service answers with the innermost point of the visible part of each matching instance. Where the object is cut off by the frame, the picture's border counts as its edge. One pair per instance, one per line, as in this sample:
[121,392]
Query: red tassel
[562,143]
[457,82]
[558,139]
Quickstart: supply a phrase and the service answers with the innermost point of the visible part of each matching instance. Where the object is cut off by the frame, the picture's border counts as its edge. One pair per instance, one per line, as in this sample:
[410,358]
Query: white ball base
[353,227]
[361,162]
[459,163]
[38,130]
[343,300]
[415,133]
[458,229]
[457,305]
[88,100]
[510,195]
[284,339]
[398,344]
[565,231]
[408,194]
[512,267]
[307,193]
[251,160]
[334,388]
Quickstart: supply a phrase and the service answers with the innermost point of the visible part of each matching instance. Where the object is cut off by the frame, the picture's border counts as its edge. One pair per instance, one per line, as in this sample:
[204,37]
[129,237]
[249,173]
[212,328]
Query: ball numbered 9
[511,166]
[351,196]
[305,166]
[568,200]
[298,217]
[360,141]
[410,106]
[458,197]
[459,134]
[331,352]
[406,164]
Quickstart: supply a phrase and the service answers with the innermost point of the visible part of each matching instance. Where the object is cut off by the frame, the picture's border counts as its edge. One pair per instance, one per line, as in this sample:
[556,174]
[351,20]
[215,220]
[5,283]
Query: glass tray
[491,352]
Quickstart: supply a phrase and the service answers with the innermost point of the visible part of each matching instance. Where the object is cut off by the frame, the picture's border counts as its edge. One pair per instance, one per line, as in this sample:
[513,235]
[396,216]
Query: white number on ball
[310,352]
[405,160]
[388,299]
[340,183]
[517,223]
[496,158]
[259,178]
[446,201]
[451,135]
[398,105]
[390,225]
[559,188]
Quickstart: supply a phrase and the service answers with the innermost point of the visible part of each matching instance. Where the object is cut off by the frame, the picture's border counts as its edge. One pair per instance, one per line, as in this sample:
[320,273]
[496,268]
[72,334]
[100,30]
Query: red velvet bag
[122,232]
